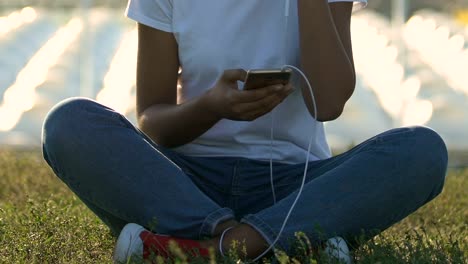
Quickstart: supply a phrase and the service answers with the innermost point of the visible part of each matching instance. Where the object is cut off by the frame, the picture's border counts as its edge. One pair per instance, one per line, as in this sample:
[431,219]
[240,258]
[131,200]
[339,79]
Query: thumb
[234,75]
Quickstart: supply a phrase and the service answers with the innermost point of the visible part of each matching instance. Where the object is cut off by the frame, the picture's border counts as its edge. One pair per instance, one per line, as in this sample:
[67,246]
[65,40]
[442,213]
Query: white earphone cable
[285,49]
[305,168]
[271,157]
[308,148]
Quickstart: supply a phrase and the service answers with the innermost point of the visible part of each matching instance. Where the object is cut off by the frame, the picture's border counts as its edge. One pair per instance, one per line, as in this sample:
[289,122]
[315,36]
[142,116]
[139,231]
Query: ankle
[244,240]
[223,226]
[221,246]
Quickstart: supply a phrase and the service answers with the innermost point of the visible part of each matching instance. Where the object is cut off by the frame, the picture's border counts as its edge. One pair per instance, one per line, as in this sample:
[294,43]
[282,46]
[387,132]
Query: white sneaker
[129,244]
[336,247]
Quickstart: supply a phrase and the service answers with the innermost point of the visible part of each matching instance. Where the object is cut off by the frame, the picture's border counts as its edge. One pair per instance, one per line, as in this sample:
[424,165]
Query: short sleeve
[153,13]
[358,4]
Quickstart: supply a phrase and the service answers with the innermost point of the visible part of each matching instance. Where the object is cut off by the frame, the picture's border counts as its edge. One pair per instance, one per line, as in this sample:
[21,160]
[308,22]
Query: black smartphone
[257,78]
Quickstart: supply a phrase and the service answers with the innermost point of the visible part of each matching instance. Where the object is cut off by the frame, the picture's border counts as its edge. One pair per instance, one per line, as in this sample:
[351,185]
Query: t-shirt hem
[248,157]
[140,18]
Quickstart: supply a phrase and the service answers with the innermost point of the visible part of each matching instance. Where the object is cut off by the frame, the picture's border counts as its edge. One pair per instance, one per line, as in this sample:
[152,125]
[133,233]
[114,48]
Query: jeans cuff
[265,231]
[213,219]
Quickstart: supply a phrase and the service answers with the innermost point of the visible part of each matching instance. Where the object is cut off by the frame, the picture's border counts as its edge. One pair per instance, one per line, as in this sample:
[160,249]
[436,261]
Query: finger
[289,86]
[234,75]
[261,93]
[252,110]
[265,104]
[250,116]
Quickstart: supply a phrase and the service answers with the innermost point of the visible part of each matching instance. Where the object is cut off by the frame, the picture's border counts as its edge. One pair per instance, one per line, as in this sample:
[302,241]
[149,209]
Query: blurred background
[411,58]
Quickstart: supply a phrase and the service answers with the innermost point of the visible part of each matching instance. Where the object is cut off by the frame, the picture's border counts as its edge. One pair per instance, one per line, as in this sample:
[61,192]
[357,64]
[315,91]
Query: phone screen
[262,78]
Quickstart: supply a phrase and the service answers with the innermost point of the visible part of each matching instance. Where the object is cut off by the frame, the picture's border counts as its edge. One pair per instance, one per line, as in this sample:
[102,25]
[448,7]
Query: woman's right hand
[225,100]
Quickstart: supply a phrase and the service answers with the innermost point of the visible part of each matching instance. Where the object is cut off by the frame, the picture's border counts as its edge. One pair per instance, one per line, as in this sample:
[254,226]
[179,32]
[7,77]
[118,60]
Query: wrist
[208,107]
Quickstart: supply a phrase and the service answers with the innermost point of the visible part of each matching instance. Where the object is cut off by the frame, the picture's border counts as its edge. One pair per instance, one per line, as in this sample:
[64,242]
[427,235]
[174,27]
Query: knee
[430,153]
[64,120]
[432,147]
[63,115]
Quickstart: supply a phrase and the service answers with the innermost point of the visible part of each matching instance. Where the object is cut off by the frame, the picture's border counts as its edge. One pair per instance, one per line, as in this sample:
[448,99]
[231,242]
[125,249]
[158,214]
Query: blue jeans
[123,177]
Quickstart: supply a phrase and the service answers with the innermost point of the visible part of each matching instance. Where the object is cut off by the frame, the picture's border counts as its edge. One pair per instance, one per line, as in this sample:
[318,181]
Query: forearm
[325,60]
[175,125]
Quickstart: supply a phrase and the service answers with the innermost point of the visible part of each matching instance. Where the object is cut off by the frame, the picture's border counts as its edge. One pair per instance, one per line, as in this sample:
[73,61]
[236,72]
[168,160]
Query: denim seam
[214,218]
[387,137]
[235,180]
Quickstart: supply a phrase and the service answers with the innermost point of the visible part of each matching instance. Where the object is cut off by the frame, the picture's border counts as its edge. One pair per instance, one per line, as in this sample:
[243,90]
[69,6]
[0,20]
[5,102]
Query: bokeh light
[377,64]
[121,77]
[21,96]
[413,73]
[442,49]
[17,19]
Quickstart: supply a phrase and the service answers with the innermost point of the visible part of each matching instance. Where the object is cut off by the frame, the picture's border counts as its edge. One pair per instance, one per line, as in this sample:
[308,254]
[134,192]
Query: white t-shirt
[214,35]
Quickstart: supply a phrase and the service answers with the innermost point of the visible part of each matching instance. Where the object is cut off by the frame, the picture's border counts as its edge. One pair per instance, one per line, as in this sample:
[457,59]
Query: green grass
[41,221]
